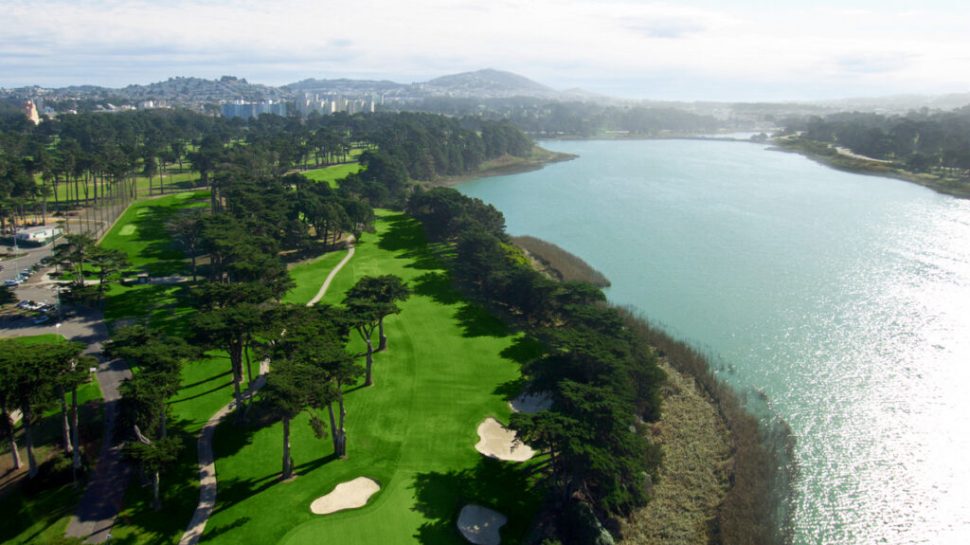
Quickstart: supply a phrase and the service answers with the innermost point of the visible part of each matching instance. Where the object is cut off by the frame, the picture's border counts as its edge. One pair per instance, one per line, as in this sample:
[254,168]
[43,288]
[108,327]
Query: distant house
[38,235]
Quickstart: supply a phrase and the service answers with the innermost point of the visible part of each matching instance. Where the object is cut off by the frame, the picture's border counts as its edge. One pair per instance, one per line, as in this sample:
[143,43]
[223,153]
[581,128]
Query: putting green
[449,365]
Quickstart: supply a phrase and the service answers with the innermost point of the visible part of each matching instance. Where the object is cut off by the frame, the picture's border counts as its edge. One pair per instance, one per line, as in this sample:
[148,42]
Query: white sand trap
[531,403]
[348,495]
[480,525]
[496,441]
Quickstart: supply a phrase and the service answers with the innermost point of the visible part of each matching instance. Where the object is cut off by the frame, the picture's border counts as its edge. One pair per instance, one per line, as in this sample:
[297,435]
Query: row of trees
[603,380]
[923,140]
[90,160]
[37,377]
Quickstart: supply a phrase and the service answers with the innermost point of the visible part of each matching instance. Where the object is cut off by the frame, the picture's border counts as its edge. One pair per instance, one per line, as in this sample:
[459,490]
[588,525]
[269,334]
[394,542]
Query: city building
[30,110]
[247,110]
[39,235]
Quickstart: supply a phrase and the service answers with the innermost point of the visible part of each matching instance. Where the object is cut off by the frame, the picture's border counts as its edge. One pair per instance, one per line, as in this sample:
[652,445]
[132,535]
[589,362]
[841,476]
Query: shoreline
[506,165]
[829,157]
[750,471]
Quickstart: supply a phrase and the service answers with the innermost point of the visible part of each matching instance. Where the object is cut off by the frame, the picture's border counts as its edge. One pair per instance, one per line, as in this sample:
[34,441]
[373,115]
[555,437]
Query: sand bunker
[348,495]
[480,525]
[531,403]
[496,441]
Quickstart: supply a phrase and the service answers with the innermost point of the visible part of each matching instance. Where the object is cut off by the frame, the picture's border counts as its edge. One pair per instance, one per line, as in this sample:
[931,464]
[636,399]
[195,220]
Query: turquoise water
[845,299]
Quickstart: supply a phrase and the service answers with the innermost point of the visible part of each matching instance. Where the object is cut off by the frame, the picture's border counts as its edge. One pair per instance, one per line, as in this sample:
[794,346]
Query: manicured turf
[173,181]
[141,232]
[332,173]
[449,365]
[310,275]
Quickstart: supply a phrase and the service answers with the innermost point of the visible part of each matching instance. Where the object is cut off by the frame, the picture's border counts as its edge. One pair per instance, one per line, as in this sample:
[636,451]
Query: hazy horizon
[746,50]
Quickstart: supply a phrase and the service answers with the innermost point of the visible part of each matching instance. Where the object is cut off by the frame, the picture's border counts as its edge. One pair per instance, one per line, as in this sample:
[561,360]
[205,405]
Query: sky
[744,50]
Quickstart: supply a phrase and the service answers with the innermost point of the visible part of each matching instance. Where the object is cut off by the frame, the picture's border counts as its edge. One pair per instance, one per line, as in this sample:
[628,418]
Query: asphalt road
[12,267]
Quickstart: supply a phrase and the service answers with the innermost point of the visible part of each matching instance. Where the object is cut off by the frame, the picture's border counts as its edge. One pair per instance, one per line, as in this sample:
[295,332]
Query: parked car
[12,282]
[26,303]
[42,319]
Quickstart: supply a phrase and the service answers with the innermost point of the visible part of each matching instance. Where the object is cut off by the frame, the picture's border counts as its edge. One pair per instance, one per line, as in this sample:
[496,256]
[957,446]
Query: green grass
[173,181]
[333,173]
[449,365]
[141,232]
[40,339]
[309,277]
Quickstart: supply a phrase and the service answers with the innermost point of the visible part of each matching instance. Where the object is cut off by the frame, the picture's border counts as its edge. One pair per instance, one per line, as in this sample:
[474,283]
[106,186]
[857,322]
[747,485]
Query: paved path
[333,273]
[103,497]
[207,465]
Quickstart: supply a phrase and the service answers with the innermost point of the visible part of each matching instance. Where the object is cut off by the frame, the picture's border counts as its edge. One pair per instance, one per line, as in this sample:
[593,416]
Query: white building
[40,235]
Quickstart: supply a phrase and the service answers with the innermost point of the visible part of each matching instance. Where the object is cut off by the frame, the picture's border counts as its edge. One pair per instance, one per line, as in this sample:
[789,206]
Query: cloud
[882,63]
[671,28]
[616,46]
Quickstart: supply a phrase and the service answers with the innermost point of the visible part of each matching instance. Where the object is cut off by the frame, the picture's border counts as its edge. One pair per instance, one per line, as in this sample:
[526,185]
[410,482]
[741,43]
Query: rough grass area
[559,263]
[694,477]
[331,174]
[449,365]
[756,508]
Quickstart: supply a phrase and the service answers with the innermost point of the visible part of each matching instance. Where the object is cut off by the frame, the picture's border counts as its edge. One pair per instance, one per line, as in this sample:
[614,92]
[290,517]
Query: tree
[314,339]
[154,456]
[287,391]
[368,302]
[29,376]
[74,253]
[384,292]
[186,229]
[108,263]
[229,316]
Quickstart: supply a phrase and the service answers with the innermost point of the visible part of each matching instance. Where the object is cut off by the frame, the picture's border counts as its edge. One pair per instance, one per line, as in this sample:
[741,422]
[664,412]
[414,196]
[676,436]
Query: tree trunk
[75,434]
[341,432]
[382,346]
[163,424]
[14,453]
[65,422]
[156,498]
[369,379]
[333,427]
[29,442]
[193,267]
[249,366]
[287,461]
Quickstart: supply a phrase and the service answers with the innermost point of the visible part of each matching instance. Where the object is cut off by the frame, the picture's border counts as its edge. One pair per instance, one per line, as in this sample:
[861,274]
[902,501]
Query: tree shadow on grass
[477,322]
[437,286]
[504,487]
[523,350]
[231,437]
[405,237]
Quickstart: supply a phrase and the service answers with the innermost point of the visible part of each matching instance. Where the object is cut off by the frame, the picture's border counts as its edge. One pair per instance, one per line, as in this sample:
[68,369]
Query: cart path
[105,493]
[326,283]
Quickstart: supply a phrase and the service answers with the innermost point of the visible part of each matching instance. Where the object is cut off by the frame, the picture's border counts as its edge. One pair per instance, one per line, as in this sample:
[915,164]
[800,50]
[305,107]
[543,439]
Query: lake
[842,298]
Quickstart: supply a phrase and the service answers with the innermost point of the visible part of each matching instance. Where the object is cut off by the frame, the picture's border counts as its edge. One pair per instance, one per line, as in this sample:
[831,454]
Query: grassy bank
[694,478]
[508,164]
[828,156]
[756,507]
[558,263]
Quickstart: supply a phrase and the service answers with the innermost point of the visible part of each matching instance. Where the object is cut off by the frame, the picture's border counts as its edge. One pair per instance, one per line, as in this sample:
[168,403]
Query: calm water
[844,298]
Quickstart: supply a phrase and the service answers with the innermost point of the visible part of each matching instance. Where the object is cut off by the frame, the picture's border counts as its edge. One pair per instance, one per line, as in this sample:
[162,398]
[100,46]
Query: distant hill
[344,85]
[488,83]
